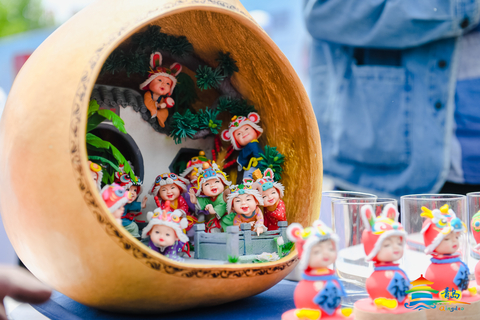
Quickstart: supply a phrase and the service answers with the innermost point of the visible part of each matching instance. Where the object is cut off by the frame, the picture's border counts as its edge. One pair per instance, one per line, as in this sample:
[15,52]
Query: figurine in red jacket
[272,192]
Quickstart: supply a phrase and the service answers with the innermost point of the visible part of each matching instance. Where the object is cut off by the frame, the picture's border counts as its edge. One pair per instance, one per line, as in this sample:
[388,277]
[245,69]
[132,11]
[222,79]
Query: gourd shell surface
[51,209]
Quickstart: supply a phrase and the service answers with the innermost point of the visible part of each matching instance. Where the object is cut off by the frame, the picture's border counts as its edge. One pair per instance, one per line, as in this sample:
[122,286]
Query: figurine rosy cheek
[272,192]
[168,187]
[166,231]
[441,234]
[319,294]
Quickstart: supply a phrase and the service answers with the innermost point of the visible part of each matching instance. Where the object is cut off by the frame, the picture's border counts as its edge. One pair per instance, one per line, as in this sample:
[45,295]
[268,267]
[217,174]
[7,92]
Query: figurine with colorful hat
[97,173]
[159,85]
[191,174]
[115,198]
[166,231]
[133,208]
[243,203]
[475,226]
[319,294]
[243,133]
[208,198]
[272,193]
[384,240]
[169,187]
[441,234]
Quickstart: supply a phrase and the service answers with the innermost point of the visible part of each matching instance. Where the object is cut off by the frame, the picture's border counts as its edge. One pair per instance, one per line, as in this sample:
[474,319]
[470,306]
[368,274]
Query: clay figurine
[272,193]
[191,174]
[243,133]
[133,208]
[475,225]
[165,229]
[318,295]
[115,198]
[97,173]
[441,234]
[242,205]
[159,85]
[209,198]
[384,241]
[169,187]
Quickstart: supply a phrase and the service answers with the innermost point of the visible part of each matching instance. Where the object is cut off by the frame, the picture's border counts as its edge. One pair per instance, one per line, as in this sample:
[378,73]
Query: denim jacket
[383,76]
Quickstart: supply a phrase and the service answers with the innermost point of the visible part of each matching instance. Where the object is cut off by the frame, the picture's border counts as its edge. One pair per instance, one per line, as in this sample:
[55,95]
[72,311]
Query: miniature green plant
[105,151]
[208,120]
[233,259]
[208,78]
[226,64]
[183,126]
[272,159]
[236,107]
[286,248]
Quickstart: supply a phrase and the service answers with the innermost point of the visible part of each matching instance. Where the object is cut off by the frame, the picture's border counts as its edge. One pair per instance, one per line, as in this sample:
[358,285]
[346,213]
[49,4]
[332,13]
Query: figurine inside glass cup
[442,231]
[475,225]
[318,295]
[383,240]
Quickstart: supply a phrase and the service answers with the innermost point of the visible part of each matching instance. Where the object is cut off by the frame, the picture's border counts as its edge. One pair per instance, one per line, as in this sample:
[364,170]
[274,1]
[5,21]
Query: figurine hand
[210,209]
[20,285]
[259,230]
[163,105]
[252,223]
[193,197]
[144,202]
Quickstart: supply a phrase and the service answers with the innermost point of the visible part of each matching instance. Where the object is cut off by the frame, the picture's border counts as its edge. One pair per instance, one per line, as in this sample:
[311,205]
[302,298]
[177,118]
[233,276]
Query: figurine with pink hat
[165,230]
[272,193]
[169,187]
[319,294]
[133,208]
[384,240]
[115,198]
[243,133]
[97,173]
[441,234]
[159,85]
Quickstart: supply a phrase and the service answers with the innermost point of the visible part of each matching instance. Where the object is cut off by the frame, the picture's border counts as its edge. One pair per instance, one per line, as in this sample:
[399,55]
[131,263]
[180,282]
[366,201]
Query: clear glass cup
[326,209]
[473,205]
[350,266]
[416,261]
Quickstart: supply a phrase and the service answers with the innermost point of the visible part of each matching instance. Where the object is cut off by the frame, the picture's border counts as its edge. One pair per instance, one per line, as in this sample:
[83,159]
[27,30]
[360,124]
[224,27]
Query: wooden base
[290,315]
[365,309]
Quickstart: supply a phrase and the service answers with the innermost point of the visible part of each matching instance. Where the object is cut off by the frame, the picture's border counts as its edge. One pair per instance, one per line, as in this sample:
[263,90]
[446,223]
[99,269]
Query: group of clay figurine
[320,292]
[201,194]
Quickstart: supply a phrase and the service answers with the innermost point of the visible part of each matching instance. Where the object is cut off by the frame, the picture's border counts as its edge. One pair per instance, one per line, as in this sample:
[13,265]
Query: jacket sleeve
[394,24]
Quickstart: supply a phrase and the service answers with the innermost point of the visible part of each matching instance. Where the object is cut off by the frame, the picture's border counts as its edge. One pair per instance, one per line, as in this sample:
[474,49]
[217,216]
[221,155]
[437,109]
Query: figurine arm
[220,209]
[144,202]
[259,225]
[193,197]
[182,204]
[149,103]
[279,214]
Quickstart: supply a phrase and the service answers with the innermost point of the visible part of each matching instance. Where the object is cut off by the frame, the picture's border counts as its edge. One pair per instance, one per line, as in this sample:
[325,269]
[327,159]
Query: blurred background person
[395,86]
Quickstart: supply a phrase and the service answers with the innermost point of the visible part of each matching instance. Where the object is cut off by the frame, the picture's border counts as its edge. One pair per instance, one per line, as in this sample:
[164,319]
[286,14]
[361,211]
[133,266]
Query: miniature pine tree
[183,126]
[272,159]
[208,120]
[227,64]
[208,78]
[237,107]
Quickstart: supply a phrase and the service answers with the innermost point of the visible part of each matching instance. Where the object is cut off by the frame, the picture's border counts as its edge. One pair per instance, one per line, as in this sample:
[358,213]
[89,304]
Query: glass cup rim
[473,194]
[433,196]
[377,201]
[369,195]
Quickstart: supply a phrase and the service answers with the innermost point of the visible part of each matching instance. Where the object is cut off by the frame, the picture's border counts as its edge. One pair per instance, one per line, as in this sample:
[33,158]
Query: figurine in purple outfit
[165,229]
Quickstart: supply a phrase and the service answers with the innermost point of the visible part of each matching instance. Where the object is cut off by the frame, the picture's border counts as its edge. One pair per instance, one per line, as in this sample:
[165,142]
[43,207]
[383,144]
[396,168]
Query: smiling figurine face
[391,249]
[245,204]
[160,85]
[163,236]
[449,244]
[245,134]
[322,254]
[169,192]
[213,187]
[270,197]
